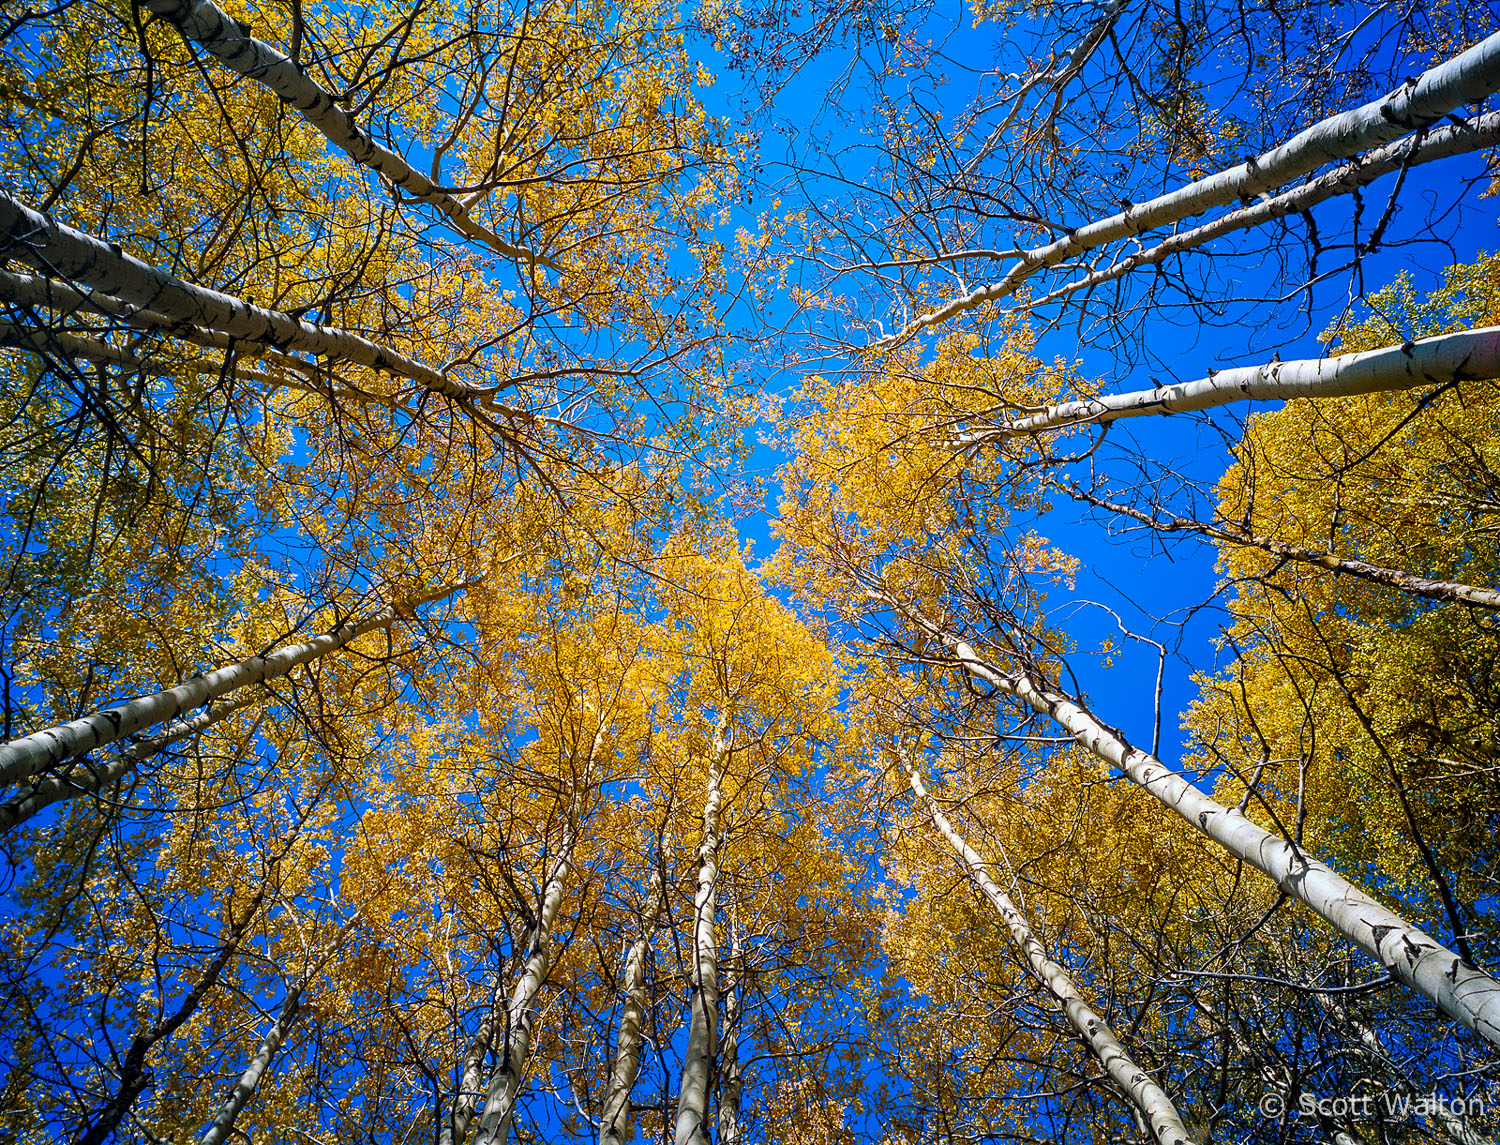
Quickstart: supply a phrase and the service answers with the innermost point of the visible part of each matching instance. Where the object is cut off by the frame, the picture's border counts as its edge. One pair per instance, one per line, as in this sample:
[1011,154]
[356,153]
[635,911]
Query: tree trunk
[88,779]
[1461,138]
[1469,355]
[499,1114]
[1418,103]
[223,1122]
[228,41]
[731,1073]
[57,249]
[1149,1099]
[30,755]
[616,1127]
[1412,957]
[697,1062]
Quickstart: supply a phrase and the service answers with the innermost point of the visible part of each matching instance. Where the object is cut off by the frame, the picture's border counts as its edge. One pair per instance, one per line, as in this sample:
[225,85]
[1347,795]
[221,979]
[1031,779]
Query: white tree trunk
[1463,138]
[1463,80]
[31,754]
[1409,955]
[471,1085]
[57,249]
[731,1072]
[1149,1099]
[498,1117]
[88,779]
[697,1062]
[1467,355]
[223,1122]
[249,1081]
[230,43]
[616,1126]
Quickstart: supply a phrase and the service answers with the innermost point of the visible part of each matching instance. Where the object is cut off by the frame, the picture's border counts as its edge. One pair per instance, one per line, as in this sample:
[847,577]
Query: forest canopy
[750,572]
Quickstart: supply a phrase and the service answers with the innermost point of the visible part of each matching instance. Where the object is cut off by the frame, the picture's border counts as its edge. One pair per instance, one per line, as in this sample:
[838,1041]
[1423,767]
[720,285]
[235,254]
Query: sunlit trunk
[1418,103]
[1148,1098]
[616,1126]
[498,1116]
[692,1096]
[28,756]
[227,40]
[1410,956]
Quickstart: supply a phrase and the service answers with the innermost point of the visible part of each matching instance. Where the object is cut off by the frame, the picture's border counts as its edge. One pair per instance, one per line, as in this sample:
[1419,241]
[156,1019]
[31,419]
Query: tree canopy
[747,572]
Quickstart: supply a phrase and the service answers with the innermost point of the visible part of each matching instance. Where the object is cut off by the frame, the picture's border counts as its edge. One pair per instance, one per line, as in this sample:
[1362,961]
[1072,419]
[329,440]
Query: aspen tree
[32,754]
[615,1126]
[1468,995]
[1148,1097]
[692,1124]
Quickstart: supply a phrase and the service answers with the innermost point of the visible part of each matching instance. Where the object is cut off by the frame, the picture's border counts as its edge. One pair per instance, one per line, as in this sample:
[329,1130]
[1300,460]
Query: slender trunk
[57,249]
[1412,957]
[1418,103]
[616,1127]
[471,1077]
[135,1074]
[1468,355]
[1149,1099]
[86,778]
[499,1114]
[229,42]
[1444,590]
[1462,138]
[249,1081]
[697,1063]
[30,755]
[731,1073]
[223,1122]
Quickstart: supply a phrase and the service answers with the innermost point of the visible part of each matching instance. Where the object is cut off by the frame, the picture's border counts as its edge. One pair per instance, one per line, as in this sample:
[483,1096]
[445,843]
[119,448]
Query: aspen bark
[57,249]
[223,1122]
[471,1077]
[87,778]
[499,1114]
[616,1126]
[1420,102]
[31,754]
[249,1081]
[40,291]
[1430,587]
[1409,955]
[229,42]
[1463,138]
[1149,1099]
[1468,355]
[693,1092]
[731,1073]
